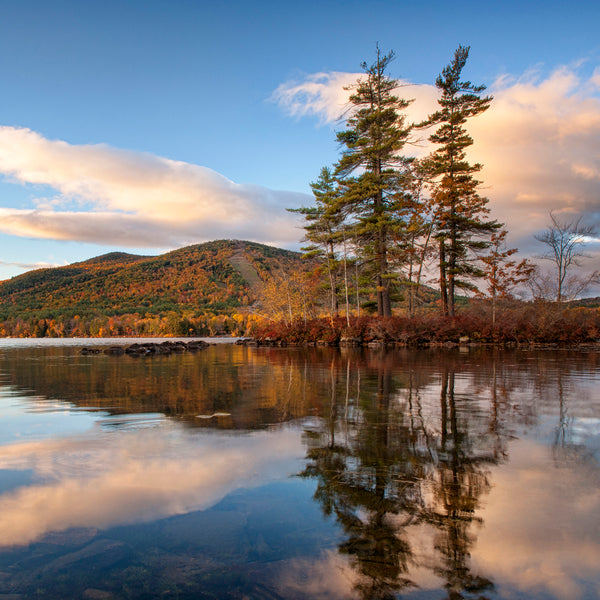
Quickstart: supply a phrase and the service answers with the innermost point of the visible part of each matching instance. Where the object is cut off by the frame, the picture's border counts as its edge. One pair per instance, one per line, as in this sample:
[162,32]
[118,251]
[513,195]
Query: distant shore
[528,326]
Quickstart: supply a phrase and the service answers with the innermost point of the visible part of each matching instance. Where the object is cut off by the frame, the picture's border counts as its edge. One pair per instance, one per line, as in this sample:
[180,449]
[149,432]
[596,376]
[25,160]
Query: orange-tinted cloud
[113,196]
[539,142]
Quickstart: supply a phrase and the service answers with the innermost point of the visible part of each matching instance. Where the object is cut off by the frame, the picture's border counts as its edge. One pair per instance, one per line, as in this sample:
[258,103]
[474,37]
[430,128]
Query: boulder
[115,350]
[350,341]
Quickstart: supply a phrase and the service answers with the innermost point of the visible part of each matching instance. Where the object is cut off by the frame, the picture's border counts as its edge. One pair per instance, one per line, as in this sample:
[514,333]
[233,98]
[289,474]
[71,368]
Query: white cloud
[29,266]
[322,95]
[135,199]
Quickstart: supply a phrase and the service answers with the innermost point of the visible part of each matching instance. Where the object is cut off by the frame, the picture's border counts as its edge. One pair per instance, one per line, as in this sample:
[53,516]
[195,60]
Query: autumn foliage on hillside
[206,289]
[246,289]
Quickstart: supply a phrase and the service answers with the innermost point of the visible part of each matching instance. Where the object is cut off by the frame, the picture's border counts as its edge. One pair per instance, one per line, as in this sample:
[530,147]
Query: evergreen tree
[322,228]
[461,228]
[373,199]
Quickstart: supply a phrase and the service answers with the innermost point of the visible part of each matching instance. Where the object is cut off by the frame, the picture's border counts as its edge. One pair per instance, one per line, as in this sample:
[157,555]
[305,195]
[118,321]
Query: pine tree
[373,200]
[322,228]
[461,228]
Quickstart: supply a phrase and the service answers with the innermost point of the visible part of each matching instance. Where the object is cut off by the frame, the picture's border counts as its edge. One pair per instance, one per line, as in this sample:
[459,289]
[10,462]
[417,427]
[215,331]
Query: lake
[288,473]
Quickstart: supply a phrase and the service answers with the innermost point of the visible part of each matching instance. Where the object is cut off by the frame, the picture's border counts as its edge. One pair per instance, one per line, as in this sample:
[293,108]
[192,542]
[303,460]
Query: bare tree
[565,241]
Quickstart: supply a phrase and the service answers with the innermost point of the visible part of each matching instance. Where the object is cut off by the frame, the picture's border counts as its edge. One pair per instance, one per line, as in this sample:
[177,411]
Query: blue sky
[149,125]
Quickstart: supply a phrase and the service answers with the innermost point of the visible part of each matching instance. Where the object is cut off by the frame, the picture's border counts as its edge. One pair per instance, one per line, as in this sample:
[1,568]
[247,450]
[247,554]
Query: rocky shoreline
[180,347]
[463,342]
[149,348]
[535,327]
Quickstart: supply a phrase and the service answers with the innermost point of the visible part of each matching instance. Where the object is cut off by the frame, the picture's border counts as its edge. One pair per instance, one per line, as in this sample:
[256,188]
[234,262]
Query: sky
[145,126]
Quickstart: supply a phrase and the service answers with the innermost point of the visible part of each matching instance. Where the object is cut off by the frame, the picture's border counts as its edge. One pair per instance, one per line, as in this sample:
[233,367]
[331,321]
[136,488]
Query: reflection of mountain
[257,386]
[248,389]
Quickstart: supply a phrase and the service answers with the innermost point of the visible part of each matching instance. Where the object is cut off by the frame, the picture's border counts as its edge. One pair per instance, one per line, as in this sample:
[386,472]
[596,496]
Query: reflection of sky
[105,478]
[542,534]
[586,432]
[24,419]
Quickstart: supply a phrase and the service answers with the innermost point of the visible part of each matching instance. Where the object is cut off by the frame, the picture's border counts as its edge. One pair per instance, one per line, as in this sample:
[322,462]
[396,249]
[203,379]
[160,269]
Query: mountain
[585,302]
[212,277]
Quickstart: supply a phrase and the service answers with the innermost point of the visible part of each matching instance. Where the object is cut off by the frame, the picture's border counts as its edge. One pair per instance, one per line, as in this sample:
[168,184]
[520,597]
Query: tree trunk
[332,282]
[384,306]
[452,260]
[356,283]
[443,287]
[346,284]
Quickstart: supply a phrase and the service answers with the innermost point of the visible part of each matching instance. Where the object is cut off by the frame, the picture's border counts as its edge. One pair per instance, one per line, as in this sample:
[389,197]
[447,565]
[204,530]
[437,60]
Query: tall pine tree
[461,225]
[372,199]
[322,229]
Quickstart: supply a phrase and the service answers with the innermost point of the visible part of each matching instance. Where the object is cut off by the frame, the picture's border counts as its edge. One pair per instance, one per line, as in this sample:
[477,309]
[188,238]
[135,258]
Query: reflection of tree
[459,483]
[559,389]
[359,483]
[566,449]
[563,446]
[381,466]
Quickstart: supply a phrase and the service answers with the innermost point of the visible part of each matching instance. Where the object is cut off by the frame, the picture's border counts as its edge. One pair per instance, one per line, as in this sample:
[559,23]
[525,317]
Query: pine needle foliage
[372,170]
[462,228]
[322,229]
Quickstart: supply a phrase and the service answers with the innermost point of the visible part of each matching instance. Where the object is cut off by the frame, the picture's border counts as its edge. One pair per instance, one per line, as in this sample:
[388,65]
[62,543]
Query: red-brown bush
[527,323]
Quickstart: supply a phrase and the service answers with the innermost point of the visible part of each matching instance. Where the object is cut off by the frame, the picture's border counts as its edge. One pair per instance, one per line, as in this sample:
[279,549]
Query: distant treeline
[135,325]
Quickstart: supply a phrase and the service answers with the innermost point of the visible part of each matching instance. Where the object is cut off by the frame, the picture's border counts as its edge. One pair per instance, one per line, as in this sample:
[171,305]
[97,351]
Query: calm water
[287,473]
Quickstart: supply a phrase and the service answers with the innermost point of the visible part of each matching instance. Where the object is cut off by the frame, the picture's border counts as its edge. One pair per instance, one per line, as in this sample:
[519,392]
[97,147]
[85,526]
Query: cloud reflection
[134,476]
[544,539]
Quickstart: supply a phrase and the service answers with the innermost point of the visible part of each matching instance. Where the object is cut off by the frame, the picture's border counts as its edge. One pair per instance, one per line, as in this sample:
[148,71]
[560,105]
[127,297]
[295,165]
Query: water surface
[299,473]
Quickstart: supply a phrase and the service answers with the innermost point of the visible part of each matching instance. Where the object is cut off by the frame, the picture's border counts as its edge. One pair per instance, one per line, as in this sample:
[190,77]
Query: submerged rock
[90,351]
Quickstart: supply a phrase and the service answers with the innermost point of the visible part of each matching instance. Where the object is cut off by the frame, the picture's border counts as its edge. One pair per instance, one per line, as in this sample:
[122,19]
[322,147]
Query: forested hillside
[202,289]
